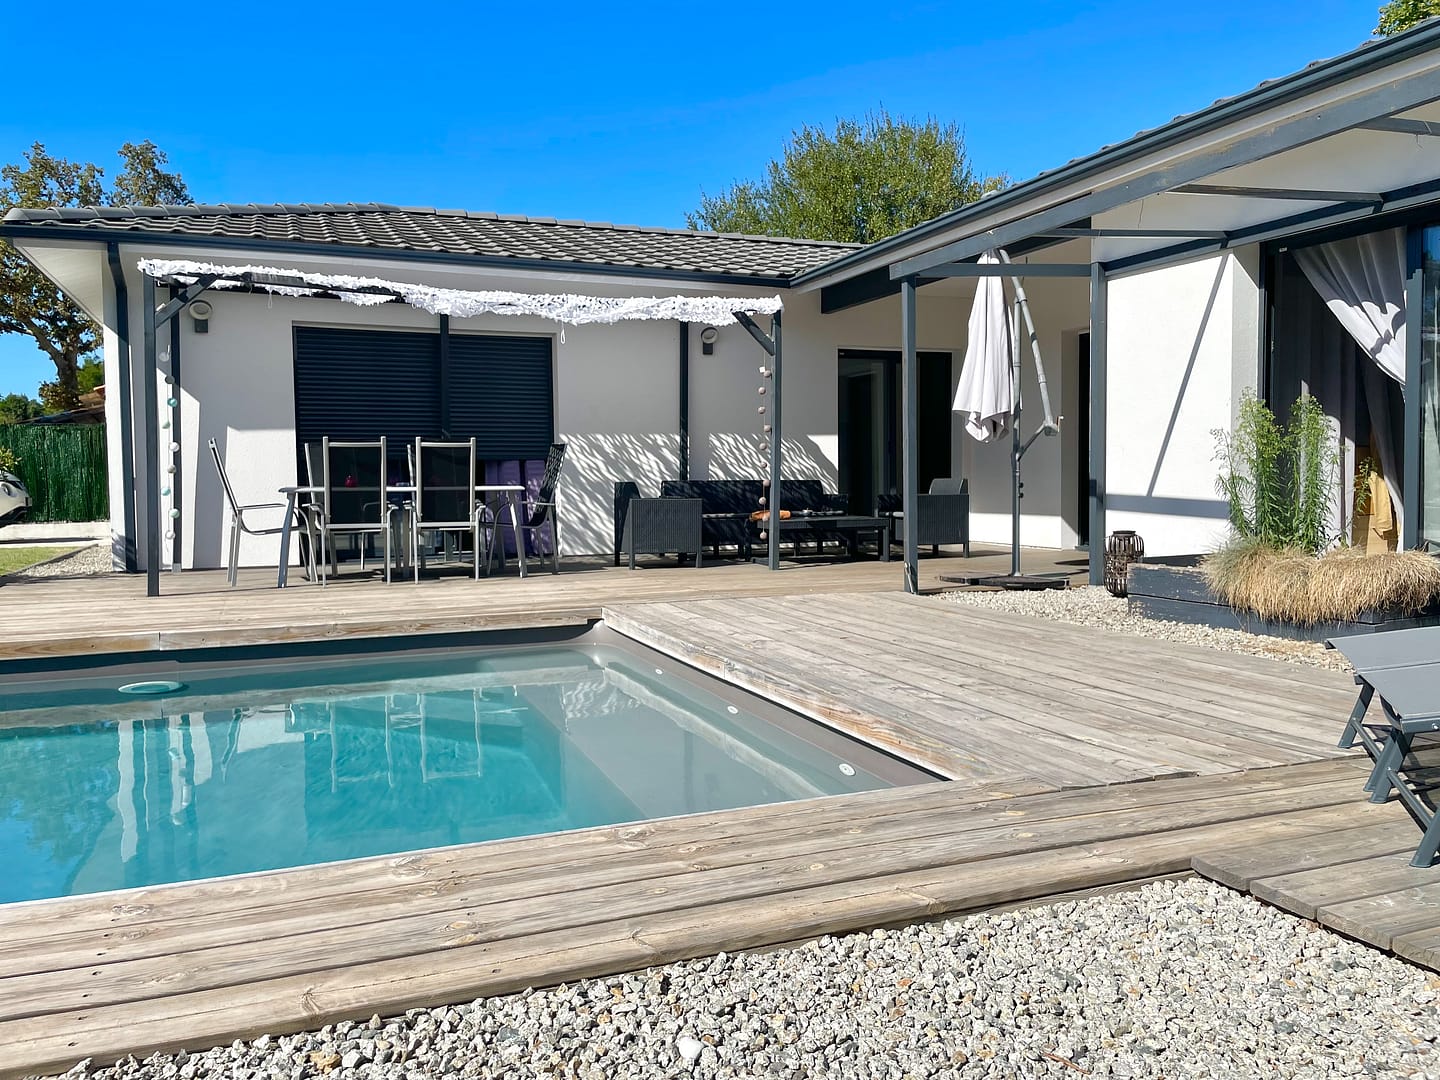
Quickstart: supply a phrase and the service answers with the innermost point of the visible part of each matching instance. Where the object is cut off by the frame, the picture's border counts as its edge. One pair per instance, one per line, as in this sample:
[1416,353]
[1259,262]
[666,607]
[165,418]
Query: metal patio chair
[541,513]
[238,525]
[355,498]
[444,475]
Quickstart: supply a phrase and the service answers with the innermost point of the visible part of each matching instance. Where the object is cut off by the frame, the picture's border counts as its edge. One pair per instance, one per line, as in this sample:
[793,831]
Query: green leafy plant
[9,460]
[1279,481]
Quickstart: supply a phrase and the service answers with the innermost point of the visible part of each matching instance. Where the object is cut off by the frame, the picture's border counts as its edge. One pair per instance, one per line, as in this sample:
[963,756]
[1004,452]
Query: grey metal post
[777,456]
[910,412]
[684,418]
[1098,317]
[176,480]
[1410,511]
[1016,450]
[125,394]
[149,373]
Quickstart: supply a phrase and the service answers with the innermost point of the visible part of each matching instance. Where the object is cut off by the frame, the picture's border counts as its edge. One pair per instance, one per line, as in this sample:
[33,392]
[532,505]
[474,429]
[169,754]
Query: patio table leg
[885,543]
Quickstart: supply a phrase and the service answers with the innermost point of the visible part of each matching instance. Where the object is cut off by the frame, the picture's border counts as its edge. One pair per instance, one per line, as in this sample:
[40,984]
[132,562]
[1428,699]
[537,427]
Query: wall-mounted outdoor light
[200,311]
[707,340]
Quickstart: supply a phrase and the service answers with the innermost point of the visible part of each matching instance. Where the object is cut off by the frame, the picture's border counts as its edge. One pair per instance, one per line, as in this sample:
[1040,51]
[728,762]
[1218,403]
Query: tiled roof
[455,232]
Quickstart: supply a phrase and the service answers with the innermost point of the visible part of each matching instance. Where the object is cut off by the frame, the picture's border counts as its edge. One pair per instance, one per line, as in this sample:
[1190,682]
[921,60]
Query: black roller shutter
[361,384]
[502,391]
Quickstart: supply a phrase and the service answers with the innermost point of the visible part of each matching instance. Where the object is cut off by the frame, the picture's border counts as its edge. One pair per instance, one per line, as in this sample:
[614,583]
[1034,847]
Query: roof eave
[20,230]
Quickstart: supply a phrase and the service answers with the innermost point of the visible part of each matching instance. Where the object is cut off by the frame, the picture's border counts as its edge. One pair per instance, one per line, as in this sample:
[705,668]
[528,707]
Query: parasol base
[1017,582]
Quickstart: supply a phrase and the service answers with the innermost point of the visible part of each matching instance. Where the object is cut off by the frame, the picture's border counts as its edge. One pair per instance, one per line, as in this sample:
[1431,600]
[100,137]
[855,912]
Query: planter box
[1175,589]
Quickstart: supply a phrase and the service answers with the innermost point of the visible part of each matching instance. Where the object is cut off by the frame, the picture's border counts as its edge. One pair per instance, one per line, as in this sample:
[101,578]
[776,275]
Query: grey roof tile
[458,232]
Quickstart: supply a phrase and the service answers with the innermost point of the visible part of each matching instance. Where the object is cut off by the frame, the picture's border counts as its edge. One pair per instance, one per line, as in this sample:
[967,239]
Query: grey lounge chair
[1402,669]
[541,513]
[445,502]
[356,497]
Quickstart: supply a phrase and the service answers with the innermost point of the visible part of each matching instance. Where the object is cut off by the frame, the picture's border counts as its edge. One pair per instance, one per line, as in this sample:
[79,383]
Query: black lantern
[1122,547]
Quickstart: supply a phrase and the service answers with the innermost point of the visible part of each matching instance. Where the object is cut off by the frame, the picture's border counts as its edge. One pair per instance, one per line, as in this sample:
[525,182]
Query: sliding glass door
[1429,323]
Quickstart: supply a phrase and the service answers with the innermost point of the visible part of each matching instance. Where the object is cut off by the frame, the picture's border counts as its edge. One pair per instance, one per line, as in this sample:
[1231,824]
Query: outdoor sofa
[725,509]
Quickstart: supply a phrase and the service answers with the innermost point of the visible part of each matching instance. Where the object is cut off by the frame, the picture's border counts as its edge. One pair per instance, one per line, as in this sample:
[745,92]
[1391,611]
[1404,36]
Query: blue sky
[610,112]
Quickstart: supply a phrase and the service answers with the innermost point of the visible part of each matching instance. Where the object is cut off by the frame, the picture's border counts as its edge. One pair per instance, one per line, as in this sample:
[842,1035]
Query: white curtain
[1362,282]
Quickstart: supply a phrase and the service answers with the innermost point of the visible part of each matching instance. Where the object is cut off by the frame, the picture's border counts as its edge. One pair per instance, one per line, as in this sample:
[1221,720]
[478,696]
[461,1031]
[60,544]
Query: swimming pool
[233,761]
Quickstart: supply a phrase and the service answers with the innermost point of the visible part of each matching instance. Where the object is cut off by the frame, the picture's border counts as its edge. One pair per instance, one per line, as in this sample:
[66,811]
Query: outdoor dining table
[292,493]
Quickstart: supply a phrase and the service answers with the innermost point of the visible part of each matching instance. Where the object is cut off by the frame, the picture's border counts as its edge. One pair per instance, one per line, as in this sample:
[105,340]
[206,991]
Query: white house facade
[1167,276]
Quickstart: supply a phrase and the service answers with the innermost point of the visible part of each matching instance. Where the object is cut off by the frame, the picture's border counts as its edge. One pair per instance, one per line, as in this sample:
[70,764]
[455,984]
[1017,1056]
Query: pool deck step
[204,963]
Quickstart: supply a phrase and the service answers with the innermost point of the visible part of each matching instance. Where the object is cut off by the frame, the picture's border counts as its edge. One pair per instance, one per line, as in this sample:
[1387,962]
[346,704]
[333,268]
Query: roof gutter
[13,230]
[1316,77]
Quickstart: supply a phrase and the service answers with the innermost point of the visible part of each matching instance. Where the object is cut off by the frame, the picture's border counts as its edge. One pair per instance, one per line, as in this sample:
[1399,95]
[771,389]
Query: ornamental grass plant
[1280,483]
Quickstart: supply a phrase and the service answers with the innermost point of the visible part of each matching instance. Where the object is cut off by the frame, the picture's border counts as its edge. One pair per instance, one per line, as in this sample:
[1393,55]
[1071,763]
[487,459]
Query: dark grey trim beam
[1134,234]
[766,342]
[684,417]
[852,292]
[910,411]
[1098,389]
[1298,194]
[1411,455]
[1315,124]
[126,395]
[1009,270]
[1281,228]
[1402,126]
[149,372]
[777,451]
[177,485]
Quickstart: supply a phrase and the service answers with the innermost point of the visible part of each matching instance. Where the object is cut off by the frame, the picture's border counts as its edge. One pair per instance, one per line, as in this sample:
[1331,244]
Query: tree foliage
[863,181]
[15,408]
[29,302]
[1400,15]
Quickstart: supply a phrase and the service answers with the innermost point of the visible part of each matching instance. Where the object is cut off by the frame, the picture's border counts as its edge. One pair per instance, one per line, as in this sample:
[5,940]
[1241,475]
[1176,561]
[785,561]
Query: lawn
[18,558]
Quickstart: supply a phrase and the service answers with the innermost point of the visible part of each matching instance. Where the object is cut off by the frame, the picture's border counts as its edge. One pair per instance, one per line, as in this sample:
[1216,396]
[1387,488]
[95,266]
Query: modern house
[1282,240]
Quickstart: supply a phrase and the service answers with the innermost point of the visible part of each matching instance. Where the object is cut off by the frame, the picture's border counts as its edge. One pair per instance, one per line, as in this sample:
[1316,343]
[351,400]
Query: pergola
[188,280]
[1353,140]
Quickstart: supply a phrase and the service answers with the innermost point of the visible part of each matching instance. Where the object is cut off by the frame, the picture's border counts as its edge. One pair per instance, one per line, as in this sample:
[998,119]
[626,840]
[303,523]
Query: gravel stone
[1177,979]
[84,562]
[1091,605]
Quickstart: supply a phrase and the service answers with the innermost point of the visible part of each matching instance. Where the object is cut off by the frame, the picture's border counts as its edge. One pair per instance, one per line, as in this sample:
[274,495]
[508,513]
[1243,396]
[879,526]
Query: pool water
[254,767]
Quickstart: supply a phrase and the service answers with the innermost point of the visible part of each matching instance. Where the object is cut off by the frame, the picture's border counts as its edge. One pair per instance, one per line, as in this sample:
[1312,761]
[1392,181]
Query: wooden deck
[1042,725]
[202,964]
[972,694]
[111,613]
[1358,881]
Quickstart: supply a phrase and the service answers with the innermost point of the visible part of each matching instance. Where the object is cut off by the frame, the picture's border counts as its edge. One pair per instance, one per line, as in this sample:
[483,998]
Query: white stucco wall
[616,396]
[1183,343]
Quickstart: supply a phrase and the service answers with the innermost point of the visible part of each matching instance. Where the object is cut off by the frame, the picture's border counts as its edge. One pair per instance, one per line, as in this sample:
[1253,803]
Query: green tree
[1401,15]
[29,302]
[863,181]
[15,408]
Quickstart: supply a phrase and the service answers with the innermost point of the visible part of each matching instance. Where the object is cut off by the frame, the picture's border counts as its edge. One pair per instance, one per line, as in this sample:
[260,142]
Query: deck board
[390,949]
[972,694]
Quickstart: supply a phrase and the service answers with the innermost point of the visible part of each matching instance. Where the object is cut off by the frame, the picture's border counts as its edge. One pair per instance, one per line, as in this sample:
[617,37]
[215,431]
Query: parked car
[14,499]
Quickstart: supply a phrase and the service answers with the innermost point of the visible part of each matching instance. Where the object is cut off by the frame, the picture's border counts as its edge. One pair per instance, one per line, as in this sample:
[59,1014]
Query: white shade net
[569,308]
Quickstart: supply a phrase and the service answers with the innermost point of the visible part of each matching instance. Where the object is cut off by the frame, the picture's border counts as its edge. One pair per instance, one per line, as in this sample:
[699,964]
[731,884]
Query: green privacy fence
[63,466]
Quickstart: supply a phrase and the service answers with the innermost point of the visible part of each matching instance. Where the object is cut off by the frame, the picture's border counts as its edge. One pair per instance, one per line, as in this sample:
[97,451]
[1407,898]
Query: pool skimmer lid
[152,686]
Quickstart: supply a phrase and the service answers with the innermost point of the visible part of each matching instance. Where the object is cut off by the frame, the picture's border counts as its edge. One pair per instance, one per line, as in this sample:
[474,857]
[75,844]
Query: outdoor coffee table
[848,525]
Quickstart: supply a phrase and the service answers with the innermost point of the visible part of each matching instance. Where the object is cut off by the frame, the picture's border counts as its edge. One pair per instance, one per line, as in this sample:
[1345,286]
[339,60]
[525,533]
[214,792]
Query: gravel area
[84,561]
[1091,605]
[1175,979]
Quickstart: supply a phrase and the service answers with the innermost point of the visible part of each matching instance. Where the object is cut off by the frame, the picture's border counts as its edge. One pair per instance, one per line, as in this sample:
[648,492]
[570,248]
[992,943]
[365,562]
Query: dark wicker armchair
[660,526]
